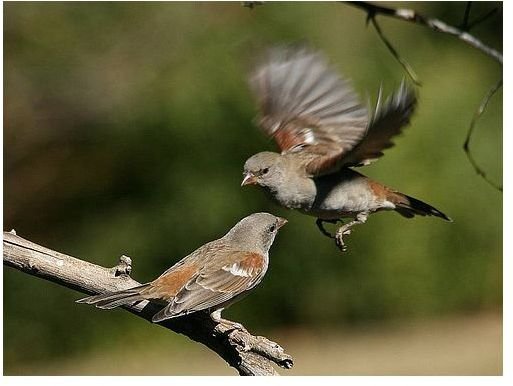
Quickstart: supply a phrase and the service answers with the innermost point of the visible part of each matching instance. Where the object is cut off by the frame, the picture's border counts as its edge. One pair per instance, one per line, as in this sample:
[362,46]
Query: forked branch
[437,25]
[466,145]
[461,33]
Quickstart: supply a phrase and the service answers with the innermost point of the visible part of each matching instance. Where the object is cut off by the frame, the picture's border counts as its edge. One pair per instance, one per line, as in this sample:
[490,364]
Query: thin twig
[248,354]
[412,16]
[482,18]
[466,145]
[409,70]
[466,15]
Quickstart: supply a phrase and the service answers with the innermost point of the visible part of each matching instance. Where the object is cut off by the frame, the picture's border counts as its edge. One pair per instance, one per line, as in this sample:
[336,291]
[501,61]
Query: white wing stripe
[236,269]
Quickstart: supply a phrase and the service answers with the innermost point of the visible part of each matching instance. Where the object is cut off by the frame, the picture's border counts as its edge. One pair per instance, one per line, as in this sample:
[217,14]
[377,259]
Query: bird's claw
[225,327]
[344,230]
[238,326]
[340,242]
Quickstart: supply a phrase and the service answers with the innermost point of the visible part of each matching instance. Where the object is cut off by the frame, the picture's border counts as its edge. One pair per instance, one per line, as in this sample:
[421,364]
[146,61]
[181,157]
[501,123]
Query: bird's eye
[265,170]
[272,228]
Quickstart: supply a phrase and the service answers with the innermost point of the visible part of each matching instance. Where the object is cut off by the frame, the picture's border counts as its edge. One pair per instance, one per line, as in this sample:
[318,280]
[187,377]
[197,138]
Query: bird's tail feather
[408,207]
[115,299]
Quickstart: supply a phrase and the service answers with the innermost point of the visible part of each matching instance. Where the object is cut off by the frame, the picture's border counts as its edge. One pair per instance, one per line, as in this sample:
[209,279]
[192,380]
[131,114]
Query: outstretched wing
[306,107]
[388,120]
[217,285]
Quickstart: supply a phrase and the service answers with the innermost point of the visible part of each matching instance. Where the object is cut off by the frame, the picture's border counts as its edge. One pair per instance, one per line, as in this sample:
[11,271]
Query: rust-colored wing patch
[249,267]
[219,283]
[288,138]
[169,284]
[253,261]
[305,104]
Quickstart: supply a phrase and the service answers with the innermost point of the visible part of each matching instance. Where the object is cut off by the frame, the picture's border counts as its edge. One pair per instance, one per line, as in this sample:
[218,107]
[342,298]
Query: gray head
[264,169]
[255,232]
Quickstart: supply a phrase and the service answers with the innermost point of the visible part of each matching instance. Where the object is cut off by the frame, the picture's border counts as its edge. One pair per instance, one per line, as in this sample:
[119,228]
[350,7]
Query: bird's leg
[225,326]
[346,229]
[323,230]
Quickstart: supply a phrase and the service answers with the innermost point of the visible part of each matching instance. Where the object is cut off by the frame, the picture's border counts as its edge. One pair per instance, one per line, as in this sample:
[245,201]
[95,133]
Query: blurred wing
[306,107]
[387,121]
[215,286]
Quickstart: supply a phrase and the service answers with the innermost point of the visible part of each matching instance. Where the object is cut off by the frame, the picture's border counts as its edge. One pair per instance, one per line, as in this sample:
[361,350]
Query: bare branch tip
[124,267]
[410,15]
[466,145]
[89,278]
[406,66]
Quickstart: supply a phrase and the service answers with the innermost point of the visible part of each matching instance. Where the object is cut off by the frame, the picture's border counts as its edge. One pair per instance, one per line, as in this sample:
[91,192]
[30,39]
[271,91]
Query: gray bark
[248,354]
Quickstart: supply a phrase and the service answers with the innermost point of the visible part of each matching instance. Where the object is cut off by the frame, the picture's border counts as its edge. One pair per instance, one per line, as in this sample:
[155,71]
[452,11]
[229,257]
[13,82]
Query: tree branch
[403,62]
[412,16]
[482,18]
[466,15]
[466,145]
[248,354]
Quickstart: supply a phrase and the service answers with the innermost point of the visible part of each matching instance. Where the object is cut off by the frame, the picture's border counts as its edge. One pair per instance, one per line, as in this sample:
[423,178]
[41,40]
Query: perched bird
[322,131]
[211,278]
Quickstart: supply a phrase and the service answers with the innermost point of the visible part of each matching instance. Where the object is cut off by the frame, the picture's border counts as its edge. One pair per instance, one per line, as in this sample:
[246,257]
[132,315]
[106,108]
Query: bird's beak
[281,222]
[249,179]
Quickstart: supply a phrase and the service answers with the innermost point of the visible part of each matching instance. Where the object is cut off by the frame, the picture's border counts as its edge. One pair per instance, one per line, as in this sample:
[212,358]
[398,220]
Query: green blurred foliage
[126,127]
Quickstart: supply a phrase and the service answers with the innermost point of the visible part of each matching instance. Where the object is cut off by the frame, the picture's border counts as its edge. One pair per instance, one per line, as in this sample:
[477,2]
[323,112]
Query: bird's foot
[225,326]
[339,238]
[345,230]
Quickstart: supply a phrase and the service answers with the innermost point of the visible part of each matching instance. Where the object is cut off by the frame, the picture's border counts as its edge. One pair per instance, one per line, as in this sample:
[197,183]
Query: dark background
[126,126]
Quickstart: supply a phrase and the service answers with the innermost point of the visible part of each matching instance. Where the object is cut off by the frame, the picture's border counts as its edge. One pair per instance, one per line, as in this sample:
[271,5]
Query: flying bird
[211,278]
[323,132]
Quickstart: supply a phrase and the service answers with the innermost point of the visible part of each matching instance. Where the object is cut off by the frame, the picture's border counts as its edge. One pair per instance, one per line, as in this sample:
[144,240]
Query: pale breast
[342,195]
